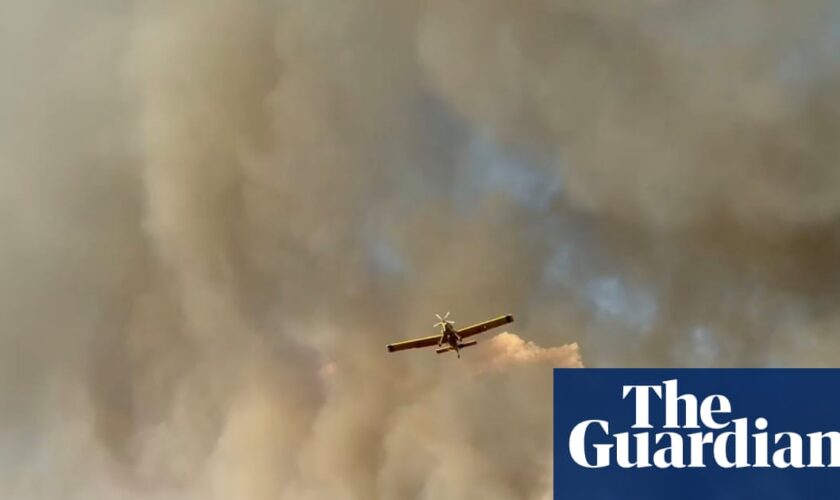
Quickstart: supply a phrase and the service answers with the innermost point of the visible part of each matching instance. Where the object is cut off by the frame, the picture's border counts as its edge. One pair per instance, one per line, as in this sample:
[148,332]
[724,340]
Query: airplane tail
[450,348]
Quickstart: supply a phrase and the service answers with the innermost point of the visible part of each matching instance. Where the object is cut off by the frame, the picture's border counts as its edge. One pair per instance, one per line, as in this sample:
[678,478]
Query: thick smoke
[217,213]
[695,140]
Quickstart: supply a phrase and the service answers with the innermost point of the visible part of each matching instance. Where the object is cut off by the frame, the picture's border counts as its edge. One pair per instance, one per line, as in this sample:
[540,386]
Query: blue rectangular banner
[649,434]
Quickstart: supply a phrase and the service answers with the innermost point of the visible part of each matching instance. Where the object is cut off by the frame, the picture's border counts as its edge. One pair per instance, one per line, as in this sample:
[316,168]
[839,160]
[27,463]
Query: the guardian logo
[649,434]
[734,442]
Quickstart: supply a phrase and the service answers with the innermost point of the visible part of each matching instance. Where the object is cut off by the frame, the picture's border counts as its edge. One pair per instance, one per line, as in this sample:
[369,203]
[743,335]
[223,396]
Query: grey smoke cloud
[215,215]
[637,100]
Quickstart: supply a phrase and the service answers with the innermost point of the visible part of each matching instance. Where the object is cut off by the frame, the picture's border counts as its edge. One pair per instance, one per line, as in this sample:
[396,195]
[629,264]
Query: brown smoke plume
[217,213]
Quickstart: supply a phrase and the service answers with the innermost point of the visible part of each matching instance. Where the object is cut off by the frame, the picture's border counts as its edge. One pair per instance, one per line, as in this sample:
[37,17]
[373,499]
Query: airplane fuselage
[448,335]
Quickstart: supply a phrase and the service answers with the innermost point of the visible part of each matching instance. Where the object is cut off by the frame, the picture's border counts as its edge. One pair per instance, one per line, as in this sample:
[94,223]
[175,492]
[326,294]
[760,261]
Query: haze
[216,213]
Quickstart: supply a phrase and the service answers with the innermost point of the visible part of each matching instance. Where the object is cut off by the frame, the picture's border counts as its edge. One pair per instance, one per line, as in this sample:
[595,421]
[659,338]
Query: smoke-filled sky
[216,213]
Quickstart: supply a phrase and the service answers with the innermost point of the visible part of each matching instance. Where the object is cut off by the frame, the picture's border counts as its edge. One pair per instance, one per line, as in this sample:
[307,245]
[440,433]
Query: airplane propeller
[444,320]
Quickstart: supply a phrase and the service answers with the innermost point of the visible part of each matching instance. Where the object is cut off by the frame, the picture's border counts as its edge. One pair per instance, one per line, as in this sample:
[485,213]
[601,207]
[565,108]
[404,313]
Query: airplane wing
[483,327]
[414,344]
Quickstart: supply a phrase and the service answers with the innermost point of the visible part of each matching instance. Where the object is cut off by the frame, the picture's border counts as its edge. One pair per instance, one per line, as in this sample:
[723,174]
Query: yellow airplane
[450,336]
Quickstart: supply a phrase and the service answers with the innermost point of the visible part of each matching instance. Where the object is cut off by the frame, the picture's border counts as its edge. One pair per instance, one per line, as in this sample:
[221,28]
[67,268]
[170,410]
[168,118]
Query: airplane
[450,336]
